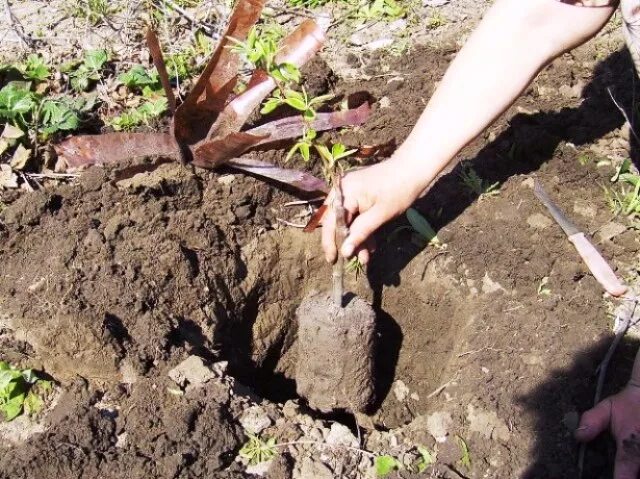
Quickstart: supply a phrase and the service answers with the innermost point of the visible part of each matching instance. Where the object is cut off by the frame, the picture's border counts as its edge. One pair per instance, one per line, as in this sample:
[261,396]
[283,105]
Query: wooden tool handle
[598,265]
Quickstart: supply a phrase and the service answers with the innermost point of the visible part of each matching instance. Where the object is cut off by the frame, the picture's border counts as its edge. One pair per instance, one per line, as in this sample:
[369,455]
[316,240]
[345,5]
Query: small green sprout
[380,10]
[141,115]
[543,288]
[476,185]
[90,70]
[355,266]
[257,450]
[297,100]
[385,465]
[427,458]
[465,460]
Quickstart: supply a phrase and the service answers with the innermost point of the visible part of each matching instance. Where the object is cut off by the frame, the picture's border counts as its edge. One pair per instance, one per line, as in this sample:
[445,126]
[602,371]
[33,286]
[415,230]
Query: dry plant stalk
[337,290]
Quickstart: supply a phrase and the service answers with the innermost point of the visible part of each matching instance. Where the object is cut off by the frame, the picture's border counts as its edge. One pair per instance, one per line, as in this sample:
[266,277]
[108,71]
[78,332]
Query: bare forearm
[512,43]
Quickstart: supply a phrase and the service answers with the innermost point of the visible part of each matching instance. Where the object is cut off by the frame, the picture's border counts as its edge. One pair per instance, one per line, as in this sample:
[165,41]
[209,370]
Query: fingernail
[582,428]
[347,249]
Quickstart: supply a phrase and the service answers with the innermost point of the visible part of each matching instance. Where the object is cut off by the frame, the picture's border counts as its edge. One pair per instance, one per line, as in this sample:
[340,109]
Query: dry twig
[17,27]
[624,114]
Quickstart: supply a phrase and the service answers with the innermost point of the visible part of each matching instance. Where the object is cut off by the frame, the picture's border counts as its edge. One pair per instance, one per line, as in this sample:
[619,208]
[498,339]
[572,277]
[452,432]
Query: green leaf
[35,68]
[426,459]
[309,114]
[304,151]
[385,465]
[154,108]
[420,224]
[324,152]
[270,105]
[294,149]
[33,404]
[13,408]
[95,59]
[465,460]
[319,100]
[296,103]
[138,77]
[15,99]
[624,167]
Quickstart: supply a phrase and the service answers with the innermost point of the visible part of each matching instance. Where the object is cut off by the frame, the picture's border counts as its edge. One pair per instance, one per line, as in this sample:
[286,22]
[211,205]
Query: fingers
[627,467]
[594,421]
[362,228]
[364,256]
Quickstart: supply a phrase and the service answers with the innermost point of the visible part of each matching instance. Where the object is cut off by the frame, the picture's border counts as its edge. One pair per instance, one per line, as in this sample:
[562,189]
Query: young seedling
[422,233]
[476,185]
[21,390]
[380,10]
[627,200]
[427,458]
[89,71]
[34,68]
[385,465]
[143,114]
[258,450]
[355,266]
[543,288]
[465,459]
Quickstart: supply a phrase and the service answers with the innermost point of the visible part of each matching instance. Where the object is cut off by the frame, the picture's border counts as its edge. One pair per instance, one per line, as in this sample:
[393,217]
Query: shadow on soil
[529,142]
[570,390]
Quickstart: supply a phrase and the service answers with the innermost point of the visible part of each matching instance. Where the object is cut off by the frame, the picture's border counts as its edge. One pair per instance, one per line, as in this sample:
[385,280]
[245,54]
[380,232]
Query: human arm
[511,44]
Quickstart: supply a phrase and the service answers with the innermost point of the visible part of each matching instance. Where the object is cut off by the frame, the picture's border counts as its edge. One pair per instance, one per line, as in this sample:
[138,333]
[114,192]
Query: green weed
[89,71]
[21,391]
[543,288]
[257,450]
[465,460]
[142,115]
[34,68]
[476,185]
[93,11]
[355,266]
[380,10]
[385,465]
[626,199]
[427,458]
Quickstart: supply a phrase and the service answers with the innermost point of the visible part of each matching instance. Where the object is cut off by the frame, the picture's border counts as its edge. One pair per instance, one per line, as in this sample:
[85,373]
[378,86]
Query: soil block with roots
[335,354]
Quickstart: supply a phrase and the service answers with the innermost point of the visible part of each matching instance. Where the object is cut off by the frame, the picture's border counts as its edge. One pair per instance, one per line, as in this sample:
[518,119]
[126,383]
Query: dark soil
[116,283]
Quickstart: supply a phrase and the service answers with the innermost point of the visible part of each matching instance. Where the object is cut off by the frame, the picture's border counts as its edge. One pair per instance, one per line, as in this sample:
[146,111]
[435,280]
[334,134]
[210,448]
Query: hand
[621,414]
[372,196]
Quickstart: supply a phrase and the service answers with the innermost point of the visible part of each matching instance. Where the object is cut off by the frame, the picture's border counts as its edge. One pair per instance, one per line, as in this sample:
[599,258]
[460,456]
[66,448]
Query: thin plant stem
[337,275]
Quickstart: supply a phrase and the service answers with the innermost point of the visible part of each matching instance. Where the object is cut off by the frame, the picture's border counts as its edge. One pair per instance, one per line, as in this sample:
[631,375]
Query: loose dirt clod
[335,359]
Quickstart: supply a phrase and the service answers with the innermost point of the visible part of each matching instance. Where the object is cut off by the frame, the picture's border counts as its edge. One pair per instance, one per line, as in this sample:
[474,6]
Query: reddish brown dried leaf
[300,180]
[293,127]
[297,48]
[80,151]
[158,60]
[214,153]
[194,117]
[316,219]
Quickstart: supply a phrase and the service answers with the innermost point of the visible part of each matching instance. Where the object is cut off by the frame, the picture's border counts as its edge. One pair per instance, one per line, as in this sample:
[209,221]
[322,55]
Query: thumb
[362,227]
[594,421]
